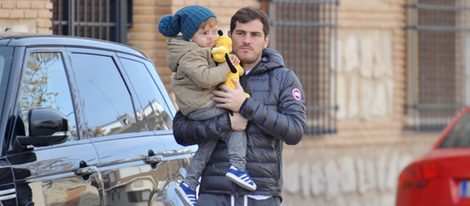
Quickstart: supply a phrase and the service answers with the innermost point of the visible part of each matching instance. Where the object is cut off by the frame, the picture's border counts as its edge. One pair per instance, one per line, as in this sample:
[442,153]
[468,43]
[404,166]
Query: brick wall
[26,16]
[371,48]
[360,164]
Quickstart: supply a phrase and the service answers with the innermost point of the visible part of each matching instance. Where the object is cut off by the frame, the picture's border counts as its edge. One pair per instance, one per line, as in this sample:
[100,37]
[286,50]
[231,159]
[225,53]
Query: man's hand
[231,99]
[238,122]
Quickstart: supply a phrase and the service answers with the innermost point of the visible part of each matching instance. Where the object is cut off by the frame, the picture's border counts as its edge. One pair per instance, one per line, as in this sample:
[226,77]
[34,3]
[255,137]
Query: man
[273,115]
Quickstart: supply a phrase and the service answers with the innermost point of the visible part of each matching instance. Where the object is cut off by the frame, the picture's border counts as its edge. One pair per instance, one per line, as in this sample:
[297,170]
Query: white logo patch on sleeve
[296,94]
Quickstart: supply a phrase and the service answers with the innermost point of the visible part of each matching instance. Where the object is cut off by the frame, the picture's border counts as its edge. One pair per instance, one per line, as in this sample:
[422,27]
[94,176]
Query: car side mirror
[46,127]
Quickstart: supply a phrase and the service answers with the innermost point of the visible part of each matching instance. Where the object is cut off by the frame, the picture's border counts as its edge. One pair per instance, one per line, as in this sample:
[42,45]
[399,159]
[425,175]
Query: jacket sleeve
[196,66]
[189,132]
[288,123]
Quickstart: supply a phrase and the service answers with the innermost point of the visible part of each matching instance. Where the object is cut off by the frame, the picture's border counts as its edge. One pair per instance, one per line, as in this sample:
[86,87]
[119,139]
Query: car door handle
[153,159]
[85,171]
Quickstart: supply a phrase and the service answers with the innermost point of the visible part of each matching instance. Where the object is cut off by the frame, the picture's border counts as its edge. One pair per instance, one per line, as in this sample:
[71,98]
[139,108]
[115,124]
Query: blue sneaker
[241,178]
[187,195]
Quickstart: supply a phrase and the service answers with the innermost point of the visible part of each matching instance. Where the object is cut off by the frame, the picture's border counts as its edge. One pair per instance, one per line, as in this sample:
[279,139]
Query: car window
[2,70]
[459,135]
[106,102]
[5,53]
[44,84]
[2,65]
[152,106]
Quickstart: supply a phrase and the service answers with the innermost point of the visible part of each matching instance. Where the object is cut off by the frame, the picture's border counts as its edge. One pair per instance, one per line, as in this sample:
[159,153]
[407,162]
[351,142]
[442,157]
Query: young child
[196,76]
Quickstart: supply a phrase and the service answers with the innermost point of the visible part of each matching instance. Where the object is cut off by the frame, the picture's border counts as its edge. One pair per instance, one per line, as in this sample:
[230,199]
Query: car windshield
[459,135]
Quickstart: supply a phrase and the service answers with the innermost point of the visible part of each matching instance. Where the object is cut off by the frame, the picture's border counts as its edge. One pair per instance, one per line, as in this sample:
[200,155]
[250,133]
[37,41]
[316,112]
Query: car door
[61,174]
[7,187]
[130,155]
[155,109]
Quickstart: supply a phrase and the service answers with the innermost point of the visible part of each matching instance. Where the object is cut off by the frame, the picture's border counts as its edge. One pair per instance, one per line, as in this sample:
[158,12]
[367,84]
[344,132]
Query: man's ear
[229,33]
[266,41]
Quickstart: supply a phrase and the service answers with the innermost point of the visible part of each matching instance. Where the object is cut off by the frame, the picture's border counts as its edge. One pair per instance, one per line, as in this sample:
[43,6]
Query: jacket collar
[270,59]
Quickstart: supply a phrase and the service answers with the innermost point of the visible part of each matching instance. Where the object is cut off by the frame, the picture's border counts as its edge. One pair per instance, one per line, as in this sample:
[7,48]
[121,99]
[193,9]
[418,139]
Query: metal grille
[305,32]
[438,41]
[100,19]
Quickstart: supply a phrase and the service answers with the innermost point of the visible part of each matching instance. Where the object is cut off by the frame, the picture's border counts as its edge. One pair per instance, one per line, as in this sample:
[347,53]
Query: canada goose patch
[296,93]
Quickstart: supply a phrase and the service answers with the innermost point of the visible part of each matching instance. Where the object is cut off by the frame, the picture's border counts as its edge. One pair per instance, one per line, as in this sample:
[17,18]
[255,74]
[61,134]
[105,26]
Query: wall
[350,174]
[360,164]
[26,16]
[356,166]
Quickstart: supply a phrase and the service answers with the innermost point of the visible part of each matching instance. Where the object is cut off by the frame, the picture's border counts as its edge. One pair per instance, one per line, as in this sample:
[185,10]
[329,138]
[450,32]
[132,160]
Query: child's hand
[238,122]
[234,59]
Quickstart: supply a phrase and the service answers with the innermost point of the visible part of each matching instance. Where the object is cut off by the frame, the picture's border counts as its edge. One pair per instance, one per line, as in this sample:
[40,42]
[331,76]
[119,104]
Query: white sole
[240,182]
[184,198]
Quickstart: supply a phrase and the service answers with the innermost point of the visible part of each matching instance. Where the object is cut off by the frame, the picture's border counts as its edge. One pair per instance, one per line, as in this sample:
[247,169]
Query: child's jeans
[236,144]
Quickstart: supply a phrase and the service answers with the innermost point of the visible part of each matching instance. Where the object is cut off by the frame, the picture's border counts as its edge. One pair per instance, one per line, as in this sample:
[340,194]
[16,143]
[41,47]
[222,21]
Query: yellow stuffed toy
[221,53]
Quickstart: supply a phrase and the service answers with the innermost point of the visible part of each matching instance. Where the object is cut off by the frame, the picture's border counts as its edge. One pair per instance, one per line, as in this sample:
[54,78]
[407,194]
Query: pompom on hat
[186,20]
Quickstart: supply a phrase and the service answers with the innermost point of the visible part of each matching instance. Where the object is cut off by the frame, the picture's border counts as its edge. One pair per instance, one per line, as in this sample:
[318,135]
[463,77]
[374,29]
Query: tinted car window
[44,84]
[459,135]
[5,54]
[2,65]
[107,105]
[152,106]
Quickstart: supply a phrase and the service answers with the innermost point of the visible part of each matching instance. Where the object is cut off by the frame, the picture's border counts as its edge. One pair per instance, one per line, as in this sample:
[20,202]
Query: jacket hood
[177,48]
[270,59]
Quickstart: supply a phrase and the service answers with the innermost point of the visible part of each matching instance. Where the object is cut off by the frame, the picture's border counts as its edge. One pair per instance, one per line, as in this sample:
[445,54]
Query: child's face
[206,36]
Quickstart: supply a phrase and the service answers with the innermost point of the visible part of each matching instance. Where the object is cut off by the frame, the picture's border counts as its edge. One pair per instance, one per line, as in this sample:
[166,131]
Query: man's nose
[247,39]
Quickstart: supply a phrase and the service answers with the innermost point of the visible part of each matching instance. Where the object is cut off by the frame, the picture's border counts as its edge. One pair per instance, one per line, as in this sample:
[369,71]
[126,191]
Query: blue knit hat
[187,21]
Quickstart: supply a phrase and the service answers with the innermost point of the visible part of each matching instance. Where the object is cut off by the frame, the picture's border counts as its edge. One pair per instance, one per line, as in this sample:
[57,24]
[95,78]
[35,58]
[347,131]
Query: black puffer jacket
[276,114]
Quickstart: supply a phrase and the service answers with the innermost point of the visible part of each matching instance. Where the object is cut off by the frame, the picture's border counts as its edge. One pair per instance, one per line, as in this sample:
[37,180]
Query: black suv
[84,122]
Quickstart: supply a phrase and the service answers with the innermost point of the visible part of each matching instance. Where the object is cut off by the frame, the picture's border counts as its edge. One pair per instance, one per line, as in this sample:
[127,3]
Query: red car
[442,176]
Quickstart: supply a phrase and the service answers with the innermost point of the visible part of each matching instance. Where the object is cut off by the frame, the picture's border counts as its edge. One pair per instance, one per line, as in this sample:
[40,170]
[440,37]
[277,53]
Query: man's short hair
[248,14]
